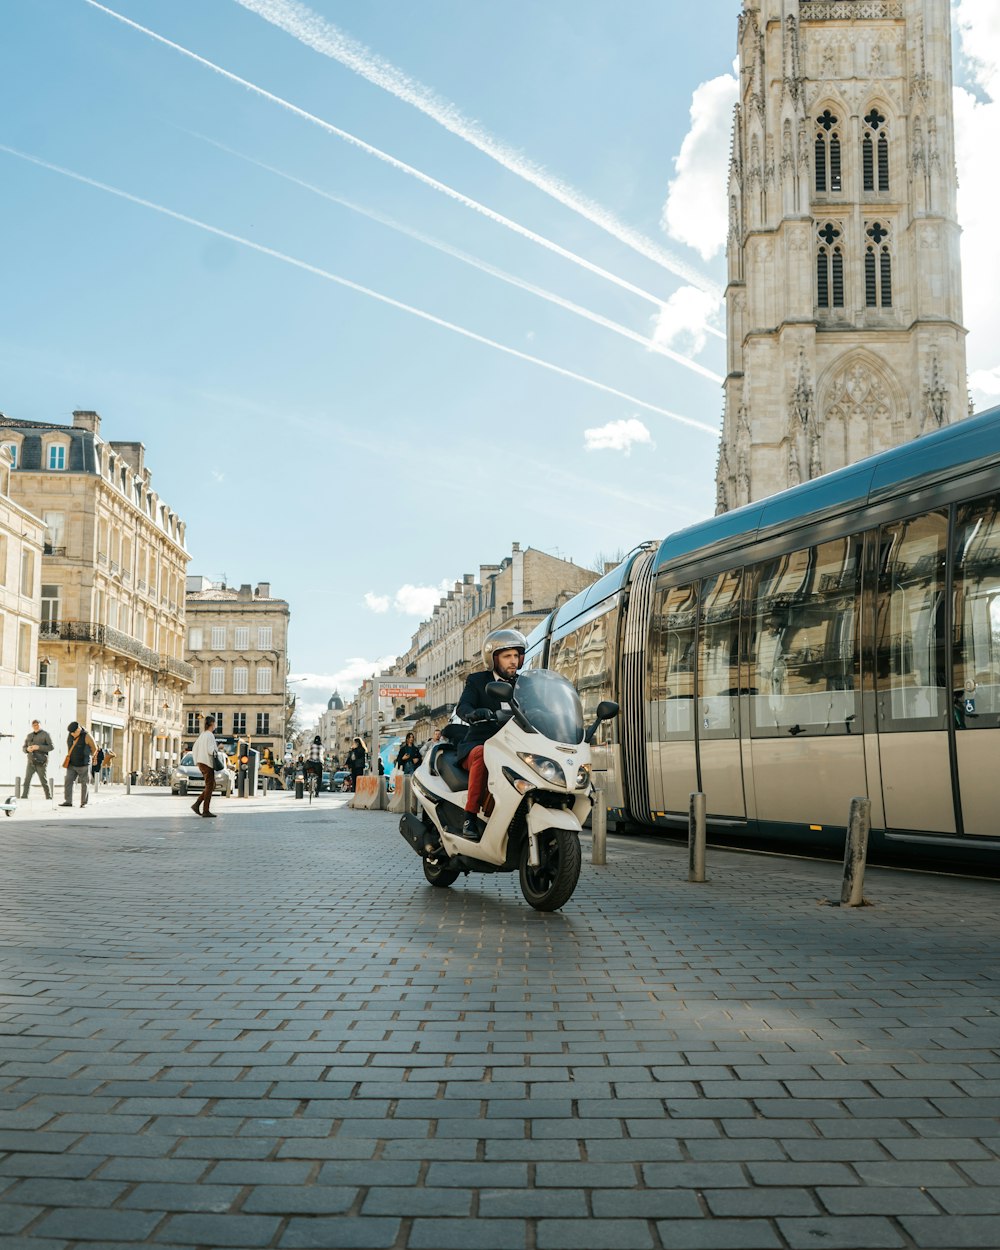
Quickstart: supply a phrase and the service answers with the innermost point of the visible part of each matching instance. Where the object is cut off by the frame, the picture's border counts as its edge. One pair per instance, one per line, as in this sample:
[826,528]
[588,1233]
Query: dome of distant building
[336,703]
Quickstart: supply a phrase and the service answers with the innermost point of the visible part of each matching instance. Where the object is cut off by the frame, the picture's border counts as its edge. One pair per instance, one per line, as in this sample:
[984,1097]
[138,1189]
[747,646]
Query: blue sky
[352,453]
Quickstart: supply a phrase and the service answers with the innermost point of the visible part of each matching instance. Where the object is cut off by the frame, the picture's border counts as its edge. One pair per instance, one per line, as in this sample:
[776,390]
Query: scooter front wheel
[552,883]
[438,875]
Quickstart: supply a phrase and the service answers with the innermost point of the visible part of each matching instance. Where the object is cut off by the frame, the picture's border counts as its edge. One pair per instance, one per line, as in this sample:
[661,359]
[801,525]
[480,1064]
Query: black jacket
[474,696]
[356,759]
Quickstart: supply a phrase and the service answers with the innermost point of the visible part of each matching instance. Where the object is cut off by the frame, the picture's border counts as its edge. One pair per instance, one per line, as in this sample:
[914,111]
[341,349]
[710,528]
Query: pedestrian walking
[356,762]
[80,752]
[98,764]
[37,747]
[408,757]
[109,759]
[206,756]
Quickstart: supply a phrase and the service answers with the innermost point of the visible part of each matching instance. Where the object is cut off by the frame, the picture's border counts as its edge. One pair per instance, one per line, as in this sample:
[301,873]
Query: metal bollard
[599,825]
[407,794]
[696,837]
[852,892]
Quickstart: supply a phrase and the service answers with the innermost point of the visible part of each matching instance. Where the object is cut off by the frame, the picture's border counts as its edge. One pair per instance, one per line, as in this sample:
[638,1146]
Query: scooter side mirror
[500,690]
[607,709]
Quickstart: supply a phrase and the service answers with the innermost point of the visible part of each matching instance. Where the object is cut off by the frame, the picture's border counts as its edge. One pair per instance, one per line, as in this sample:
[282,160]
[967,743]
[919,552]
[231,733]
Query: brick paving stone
[300,1200]
[340,1233]
[593,1234]
[58,1192]
[15,1216]
[427,1234]
[177,1196]
[718,1234]
[80,1224]
[840,1234]
[219,1230]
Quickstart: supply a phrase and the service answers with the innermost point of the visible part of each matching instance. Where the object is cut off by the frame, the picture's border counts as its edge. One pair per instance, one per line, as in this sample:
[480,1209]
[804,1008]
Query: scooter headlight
[583,776]
[547,769]
[521,784]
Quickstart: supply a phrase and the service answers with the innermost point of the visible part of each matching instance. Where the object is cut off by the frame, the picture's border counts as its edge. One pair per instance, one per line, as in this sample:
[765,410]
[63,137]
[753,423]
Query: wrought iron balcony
[176,668]
[101,636]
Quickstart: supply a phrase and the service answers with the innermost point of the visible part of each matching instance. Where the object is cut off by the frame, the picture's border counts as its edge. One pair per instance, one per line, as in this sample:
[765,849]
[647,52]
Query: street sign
[402,692]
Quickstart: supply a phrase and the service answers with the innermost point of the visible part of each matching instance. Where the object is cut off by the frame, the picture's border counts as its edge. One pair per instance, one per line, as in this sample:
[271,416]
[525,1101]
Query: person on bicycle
[503,653]
[314,764]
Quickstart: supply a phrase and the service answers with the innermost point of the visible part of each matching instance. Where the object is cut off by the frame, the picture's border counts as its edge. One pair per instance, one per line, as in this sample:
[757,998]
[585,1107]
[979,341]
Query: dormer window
[57,456]
[13,449]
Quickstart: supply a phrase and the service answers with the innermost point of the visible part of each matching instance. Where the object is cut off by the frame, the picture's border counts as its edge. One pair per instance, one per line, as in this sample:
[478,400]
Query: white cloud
[977,123]
[312,690]
[377,603]
[685,318]
[617,436]
[695,210]
[419,600]
[986,381]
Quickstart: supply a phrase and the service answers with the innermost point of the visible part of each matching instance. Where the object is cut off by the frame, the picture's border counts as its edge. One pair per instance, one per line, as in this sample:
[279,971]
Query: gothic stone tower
[844,304]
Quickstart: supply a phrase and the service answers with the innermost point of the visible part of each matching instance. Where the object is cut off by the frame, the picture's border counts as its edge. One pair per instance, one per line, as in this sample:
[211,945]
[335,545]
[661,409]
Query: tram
[841,638]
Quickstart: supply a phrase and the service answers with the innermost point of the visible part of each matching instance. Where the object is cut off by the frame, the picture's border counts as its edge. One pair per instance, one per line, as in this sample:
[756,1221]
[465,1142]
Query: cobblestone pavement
[273,1033]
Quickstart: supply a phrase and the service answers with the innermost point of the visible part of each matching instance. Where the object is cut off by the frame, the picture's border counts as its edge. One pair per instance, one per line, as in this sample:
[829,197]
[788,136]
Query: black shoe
[471,828]
[65,804]
[210,815]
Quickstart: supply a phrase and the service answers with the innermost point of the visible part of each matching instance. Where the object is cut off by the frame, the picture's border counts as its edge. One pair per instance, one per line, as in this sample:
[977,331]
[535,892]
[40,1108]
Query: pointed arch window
[875,152]
[827,153]
[830,268]
[878,266]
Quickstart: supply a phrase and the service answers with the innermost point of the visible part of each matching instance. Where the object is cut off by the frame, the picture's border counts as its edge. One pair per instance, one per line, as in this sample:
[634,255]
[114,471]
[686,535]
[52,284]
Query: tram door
[673,774]
[912,699]
[975,684]
[718,703]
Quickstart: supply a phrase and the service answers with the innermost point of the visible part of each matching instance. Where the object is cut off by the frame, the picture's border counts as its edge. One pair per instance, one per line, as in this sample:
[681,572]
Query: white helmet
[502,640]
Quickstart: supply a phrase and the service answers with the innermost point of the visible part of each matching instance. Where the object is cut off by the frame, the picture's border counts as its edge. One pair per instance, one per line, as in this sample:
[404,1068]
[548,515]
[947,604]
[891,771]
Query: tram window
[976,675]
[672,660]
[910,676]
[586,658]
[719,656]
[803,642]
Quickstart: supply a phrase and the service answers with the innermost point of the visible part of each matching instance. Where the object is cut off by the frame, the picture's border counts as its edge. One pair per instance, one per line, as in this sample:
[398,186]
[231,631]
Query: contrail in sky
[309,28]
[443,187]
[475,262]
[354,286]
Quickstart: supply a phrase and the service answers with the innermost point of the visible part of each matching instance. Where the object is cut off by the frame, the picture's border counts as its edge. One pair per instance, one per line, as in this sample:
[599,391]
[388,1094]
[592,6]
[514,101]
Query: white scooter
[538,764]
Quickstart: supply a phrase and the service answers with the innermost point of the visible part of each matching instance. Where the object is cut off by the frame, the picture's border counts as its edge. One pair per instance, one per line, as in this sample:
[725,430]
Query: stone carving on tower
[843,303]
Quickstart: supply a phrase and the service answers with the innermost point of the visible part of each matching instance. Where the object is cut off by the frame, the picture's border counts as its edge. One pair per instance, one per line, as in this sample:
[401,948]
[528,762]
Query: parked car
[187,777]
[339,778]
[324,782]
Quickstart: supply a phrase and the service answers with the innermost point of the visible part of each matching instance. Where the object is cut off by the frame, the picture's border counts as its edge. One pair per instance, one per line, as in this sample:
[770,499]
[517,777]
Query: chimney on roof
[84,419]
[245,591]
[263,590]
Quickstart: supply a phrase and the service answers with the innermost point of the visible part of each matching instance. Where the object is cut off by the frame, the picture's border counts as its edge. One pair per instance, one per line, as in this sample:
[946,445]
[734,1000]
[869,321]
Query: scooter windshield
[550,704]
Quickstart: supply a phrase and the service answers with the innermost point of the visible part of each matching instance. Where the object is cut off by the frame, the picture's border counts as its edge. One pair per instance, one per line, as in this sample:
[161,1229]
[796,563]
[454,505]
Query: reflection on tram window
[719,656]
[910,677]
[803,641]
[976,677]
[671,661]
[586,657]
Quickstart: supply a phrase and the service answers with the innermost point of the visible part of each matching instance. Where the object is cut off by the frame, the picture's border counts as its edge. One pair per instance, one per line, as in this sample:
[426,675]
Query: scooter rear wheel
[552,883]
[439,876]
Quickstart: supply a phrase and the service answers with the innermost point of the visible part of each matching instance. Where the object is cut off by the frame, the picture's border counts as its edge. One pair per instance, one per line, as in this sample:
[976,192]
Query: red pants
[475,766]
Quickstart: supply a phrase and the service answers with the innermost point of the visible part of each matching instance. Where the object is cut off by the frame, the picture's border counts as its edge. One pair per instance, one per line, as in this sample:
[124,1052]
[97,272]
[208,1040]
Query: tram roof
[967,445]
[596,592]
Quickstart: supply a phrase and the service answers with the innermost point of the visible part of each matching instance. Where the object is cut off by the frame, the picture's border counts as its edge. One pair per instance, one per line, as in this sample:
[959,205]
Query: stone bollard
[696,837]
[599,825]
[852,892]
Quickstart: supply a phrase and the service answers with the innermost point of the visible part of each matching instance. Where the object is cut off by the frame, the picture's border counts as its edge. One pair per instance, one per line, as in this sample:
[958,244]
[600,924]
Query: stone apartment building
[21,537]
[519,592]
[111,582]
[237,645]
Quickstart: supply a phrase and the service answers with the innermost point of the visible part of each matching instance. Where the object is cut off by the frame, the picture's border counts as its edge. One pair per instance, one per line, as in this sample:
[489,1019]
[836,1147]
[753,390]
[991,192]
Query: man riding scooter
[503,654]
